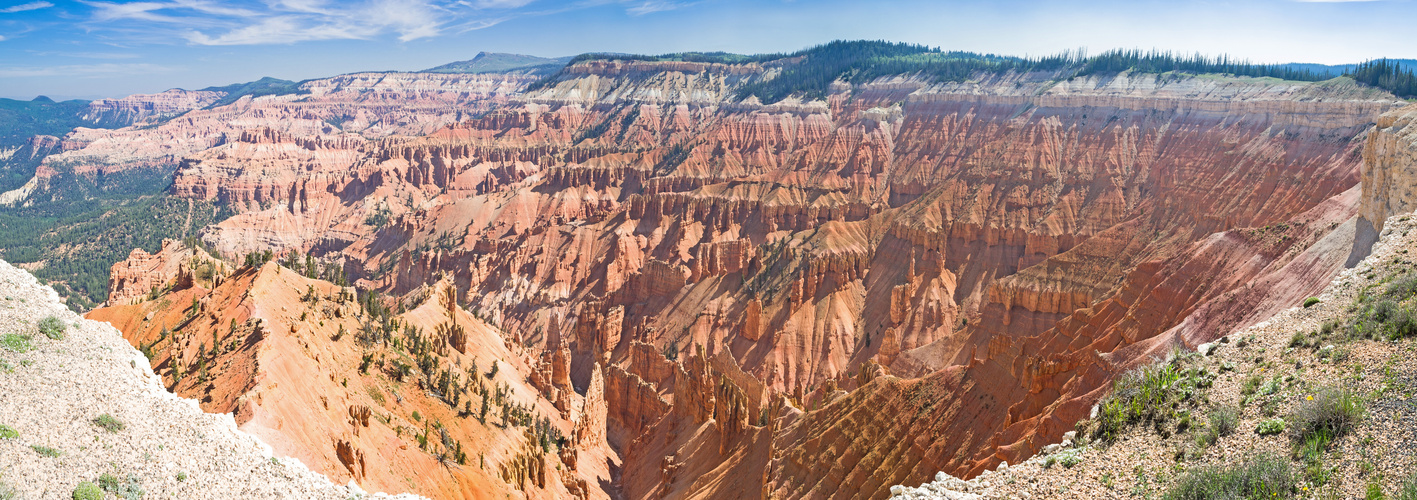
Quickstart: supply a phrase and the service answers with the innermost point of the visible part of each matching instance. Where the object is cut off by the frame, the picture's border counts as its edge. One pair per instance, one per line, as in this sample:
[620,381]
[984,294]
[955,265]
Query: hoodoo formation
[651,278]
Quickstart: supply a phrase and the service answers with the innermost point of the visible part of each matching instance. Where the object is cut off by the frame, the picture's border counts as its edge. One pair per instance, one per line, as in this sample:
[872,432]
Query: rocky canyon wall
[842,294]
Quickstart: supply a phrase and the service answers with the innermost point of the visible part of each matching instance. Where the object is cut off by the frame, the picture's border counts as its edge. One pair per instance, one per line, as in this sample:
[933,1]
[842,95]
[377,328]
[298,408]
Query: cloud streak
[25,7]
[276,22]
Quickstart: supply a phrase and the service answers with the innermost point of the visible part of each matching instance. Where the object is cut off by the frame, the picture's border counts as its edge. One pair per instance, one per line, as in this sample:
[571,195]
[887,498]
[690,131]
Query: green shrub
[1309,302]
[7,432]
[1327,415]
[8,492]
[15,342]
[131,488]
[1402,288]
[45,451]
[1270,427]
[108,423]
[1263,475]
[51,327]
[1251,384]
[1151,393]
[1402,325]
[87,491]
[1070,458]
[1384,311]
[1224,420]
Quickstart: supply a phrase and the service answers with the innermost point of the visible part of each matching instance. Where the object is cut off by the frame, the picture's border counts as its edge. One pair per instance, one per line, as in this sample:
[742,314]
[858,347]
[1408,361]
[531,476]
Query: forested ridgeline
[809,73]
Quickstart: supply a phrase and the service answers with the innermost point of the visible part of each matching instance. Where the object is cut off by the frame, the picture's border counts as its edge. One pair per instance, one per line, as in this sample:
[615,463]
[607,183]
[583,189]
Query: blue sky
[109,48]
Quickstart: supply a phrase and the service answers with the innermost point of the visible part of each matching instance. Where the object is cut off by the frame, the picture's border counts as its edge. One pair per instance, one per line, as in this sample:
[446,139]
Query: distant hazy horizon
[93,49]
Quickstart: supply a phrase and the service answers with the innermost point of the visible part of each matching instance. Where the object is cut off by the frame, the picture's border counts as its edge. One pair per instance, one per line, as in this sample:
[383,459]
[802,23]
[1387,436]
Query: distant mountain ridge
[494,62]
[265,86]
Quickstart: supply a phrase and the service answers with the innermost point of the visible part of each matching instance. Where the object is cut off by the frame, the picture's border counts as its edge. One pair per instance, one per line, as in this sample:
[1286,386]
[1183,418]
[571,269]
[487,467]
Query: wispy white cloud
[651,6]
[207,22]
[138,11]
[26,6]
[83,70]
[283,21]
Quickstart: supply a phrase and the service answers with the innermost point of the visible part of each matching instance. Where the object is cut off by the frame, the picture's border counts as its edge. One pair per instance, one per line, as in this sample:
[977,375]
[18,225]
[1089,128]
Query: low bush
[1263,475]
[7,432]
[51,327]
[87,491]
[15,342]
[45,451]
[1152,394]
[1252,384]
[1327,415]
[1310,302]
[1381,316]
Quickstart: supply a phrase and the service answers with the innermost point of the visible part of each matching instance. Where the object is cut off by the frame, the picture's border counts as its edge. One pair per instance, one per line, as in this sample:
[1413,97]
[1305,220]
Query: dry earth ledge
[52,392]
[1381,449]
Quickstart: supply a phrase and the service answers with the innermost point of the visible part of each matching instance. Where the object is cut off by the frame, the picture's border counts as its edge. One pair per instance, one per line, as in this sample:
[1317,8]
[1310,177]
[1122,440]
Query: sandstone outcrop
[1388,172]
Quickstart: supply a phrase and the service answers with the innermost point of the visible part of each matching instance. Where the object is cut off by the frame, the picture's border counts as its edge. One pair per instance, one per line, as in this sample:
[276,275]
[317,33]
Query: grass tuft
[45,451]
[1224,421]
[7,432]
[108,423]
[1263,475]
[1408,489]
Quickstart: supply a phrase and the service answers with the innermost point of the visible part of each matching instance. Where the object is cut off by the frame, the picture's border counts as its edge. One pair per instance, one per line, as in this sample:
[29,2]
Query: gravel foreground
[53,392]
[1381,450]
